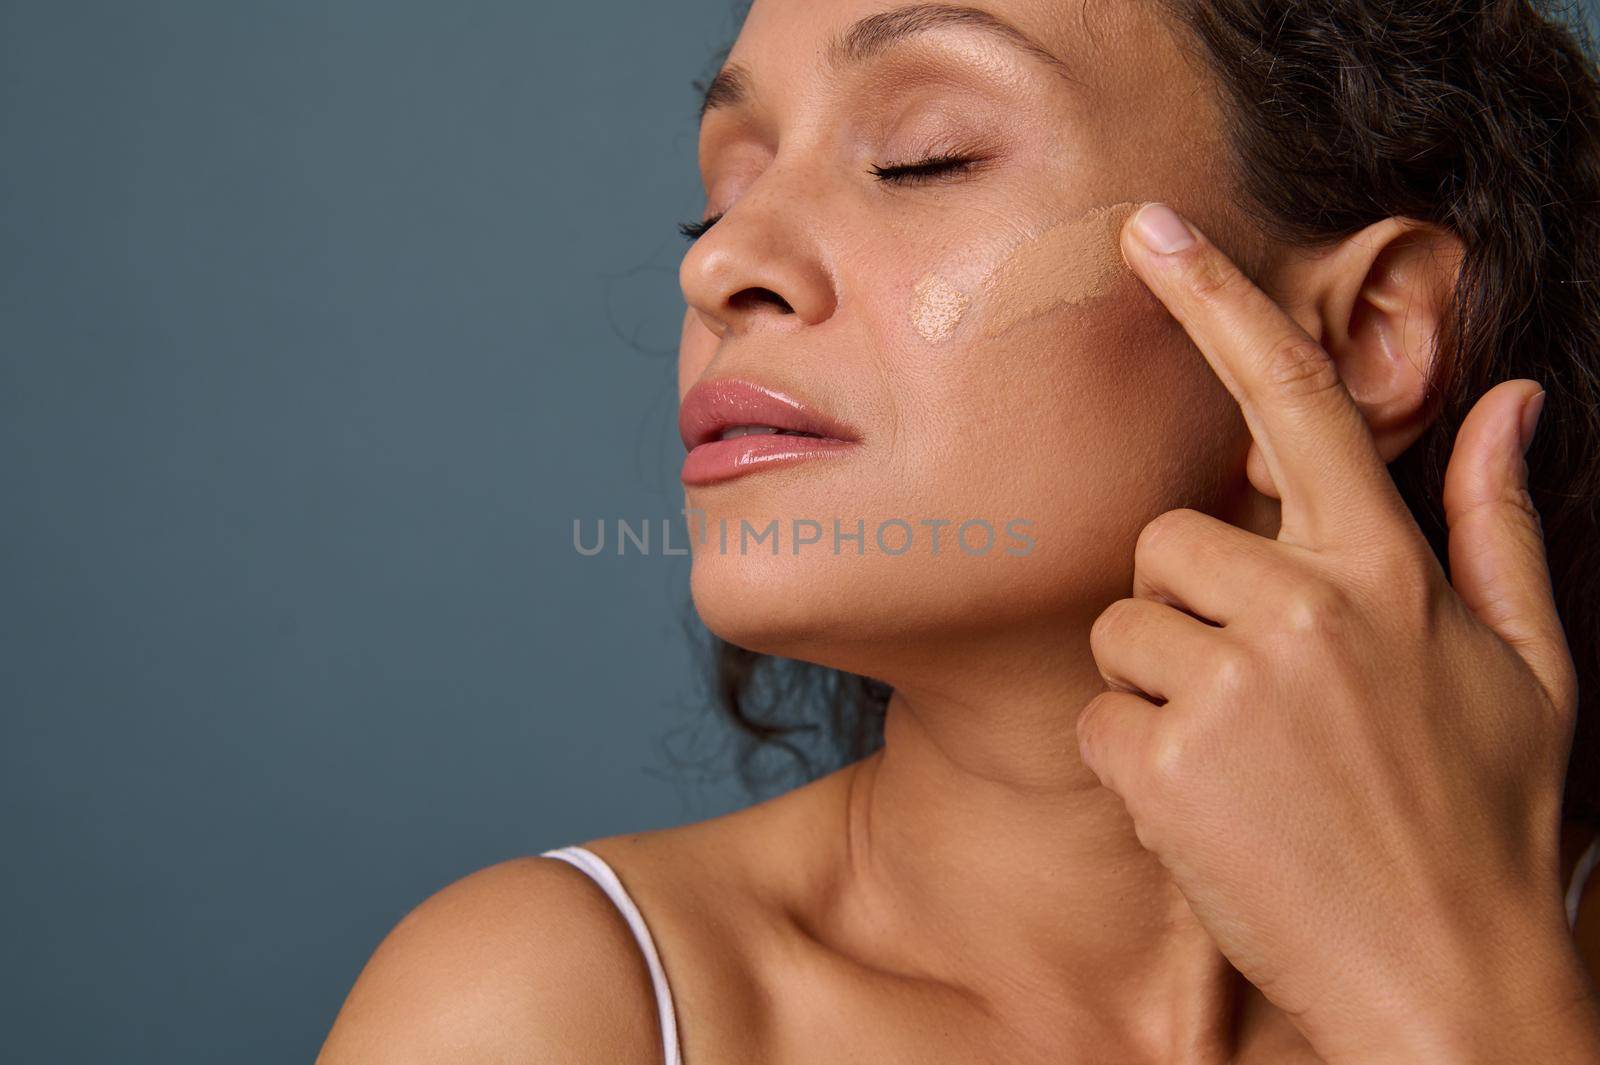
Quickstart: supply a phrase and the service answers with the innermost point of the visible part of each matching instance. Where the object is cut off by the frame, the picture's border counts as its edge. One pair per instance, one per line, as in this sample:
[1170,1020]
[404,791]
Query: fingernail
[1161,230]
[1531,409]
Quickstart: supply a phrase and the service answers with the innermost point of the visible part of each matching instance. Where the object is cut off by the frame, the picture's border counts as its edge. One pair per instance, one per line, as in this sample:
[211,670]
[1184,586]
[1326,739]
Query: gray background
[319,325]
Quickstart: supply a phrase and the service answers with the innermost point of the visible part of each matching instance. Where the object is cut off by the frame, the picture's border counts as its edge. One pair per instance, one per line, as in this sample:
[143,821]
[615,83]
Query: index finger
[1316,444]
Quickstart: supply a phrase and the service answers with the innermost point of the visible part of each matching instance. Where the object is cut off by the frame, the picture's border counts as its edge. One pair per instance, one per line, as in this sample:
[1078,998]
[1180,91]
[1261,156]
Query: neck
[978,819]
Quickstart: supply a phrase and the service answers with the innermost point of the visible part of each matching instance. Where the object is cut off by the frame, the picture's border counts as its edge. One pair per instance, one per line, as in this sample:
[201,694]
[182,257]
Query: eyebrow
[870,36]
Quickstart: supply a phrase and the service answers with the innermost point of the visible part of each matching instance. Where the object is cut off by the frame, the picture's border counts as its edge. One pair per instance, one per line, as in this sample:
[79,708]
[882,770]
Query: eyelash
[696,230]
[922,172]
[926,170]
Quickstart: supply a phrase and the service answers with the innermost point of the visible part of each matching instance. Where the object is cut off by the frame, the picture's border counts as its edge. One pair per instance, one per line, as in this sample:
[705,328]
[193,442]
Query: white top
[606,877]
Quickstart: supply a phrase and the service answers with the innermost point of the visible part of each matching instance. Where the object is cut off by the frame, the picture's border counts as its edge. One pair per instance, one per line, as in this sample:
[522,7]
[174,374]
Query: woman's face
[970,323]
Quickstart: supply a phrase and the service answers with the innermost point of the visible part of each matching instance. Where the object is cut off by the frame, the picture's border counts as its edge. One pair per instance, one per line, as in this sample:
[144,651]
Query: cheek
[1107,397]
[1085,422]
[1083,419]
[999,279]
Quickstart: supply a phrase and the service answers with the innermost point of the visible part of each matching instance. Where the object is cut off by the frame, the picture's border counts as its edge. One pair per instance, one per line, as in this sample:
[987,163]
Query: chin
[765,573]
[795,607]
[875,613]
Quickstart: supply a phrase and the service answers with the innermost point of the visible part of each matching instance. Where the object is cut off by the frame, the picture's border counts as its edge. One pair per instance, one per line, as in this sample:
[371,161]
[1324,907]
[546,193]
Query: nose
[761,265]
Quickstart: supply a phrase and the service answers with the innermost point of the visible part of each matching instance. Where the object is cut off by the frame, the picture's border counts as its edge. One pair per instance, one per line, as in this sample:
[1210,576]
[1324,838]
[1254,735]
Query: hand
[1354,773]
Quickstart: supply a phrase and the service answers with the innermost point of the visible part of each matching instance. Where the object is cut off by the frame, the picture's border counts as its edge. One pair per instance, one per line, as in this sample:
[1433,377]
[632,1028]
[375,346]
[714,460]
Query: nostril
[752,298]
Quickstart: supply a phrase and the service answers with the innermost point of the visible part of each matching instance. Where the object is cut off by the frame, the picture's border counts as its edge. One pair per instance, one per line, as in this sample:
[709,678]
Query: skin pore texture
[971,892]
[1070,262]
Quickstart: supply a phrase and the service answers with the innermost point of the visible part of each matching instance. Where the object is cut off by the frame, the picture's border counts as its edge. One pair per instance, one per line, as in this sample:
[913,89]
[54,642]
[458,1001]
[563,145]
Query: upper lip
[711,407]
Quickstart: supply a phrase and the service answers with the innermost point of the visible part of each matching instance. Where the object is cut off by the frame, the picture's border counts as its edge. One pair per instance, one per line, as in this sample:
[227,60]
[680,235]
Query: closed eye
[696,230]
[927,170]
[922,172]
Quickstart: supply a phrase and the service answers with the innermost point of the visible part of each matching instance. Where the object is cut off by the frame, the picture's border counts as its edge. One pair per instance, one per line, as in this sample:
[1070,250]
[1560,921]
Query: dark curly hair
[1479,116]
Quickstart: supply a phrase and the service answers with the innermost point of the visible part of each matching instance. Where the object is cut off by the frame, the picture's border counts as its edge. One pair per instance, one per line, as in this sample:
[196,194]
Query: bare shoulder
[528,960]
[525,960]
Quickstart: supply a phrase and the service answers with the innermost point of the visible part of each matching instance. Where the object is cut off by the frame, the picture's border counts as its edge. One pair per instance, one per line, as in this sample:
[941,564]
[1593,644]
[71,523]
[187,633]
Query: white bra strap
[606,877]
[1580,876]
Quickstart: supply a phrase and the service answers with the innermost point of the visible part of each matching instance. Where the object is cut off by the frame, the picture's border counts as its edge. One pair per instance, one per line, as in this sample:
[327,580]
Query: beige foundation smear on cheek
[1073,261]
[936,307]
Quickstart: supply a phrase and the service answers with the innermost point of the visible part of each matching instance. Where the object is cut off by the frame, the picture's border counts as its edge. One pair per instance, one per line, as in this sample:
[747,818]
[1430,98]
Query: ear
[1375,301]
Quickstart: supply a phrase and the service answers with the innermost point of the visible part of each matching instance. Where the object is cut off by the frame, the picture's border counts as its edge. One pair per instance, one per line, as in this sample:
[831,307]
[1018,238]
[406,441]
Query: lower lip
[721,460]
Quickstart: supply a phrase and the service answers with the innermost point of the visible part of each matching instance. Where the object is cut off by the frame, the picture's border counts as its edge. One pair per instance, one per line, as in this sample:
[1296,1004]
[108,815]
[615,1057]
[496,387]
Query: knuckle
[1313,608]
[1228,674]
[1297,366]
[1111,623]
[1161,530]
[1168,767]
[1211,279]
[1087,725]
[1095,721]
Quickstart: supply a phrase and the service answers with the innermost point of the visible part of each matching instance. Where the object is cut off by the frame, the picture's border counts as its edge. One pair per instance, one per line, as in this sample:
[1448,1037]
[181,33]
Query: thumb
[1497,556]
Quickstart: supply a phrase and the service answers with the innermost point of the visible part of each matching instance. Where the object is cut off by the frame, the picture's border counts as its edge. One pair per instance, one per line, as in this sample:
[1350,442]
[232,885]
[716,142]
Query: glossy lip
[710,407]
